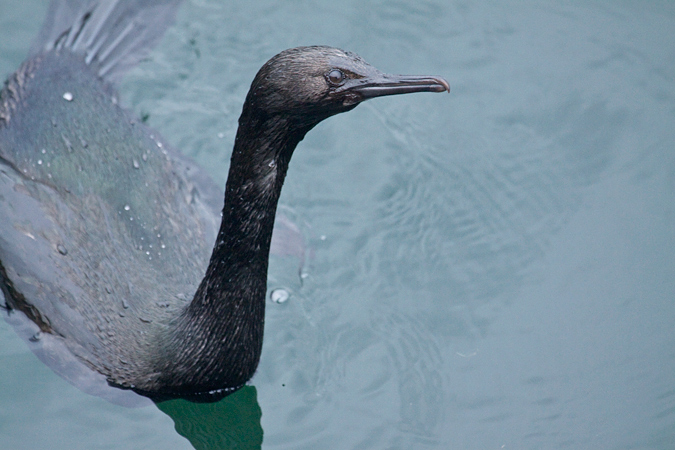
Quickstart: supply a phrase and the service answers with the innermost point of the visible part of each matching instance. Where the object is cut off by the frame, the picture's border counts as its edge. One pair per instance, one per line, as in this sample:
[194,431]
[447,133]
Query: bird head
[313,83]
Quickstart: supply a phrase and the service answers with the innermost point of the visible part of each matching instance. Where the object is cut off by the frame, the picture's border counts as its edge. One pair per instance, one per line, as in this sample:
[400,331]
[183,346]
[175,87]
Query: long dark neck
[218,338]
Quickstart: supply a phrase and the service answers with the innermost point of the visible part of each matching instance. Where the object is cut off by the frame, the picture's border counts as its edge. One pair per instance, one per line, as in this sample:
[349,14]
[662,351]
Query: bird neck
[262,151]
[221,330]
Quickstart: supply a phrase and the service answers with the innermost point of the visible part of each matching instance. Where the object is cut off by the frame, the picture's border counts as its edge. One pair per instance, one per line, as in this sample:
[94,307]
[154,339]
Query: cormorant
[107,235]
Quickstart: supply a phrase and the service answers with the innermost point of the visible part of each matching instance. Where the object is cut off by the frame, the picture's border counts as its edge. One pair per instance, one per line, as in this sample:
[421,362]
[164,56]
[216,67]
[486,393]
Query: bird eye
[336,76]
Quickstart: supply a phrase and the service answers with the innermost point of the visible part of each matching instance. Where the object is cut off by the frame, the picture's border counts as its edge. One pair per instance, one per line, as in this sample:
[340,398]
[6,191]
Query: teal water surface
[487,269]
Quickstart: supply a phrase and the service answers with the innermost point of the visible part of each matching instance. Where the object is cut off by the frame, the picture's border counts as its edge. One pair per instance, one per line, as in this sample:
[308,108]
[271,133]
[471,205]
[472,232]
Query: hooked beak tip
[444,86]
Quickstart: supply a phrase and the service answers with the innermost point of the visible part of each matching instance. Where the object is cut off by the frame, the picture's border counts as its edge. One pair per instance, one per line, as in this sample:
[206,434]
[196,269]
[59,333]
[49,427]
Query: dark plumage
[105,233]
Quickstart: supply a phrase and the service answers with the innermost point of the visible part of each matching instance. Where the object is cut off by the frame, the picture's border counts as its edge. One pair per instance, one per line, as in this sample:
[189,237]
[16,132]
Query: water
[487,269]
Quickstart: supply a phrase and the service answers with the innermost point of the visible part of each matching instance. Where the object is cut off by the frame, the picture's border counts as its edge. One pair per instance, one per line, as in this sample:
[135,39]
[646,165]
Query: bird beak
[383,84]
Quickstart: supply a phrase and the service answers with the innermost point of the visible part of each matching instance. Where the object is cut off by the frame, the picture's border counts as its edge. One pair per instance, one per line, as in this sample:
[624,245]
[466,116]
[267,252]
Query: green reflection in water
[231,423]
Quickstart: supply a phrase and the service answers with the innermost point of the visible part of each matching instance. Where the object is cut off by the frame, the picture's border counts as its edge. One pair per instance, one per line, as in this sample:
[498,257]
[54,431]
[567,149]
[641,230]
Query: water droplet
[136,164]
[144,156]
[125,305]
[43,151]
[39,162]
[272,163]
[323,237]
[127,207]
[159,144]
[68,96]
[163,246]
[36,337]
[62,249]
[279,295]
[221,135]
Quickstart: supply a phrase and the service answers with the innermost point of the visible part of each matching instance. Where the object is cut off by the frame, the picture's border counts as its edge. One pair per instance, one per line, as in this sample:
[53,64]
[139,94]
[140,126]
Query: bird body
[111,243]
[87,192]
